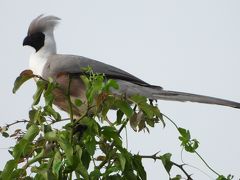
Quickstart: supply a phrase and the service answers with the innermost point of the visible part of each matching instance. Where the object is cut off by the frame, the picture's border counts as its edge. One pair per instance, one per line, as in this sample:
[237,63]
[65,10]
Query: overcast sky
[191,46]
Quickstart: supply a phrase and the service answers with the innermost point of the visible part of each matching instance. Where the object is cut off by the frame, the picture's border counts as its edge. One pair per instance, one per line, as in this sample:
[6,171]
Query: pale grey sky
[183,45]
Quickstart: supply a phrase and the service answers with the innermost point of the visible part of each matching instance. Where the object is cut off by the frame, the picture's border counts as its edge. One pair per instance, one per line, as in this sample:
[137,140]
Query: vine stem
[170,120]
[208,166]
[206,163]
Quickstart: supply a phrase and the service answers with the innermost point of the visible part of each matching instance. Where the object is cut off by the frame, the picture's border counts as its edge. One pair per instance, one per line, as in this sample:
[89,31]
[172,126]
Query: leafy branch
[84,146]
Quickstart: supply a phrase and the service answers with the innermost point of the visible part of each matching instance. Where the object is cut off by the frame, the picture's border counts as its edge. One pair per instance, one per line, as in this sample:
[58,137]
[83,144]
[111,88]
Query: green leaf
[57,163]
[81,168]
[137,162]
[122,161]
[63,140]
[124,107]
[32,114]
[41,171]
[5,134]
[23,77]
[185,133]
[50,111]
[41,85]
[111,133]
[95,175]
[126,154]
[119,116]
[136,119]
[31,133]
[19,148]
[114,177]
[138,99]
[177,177]
[19,172]
[150,122]
[78,102]
[110,170]
[221,177]
[28,178]
[166,161]
[36,116]
[130,175]
[85,81]
[37,157]
[93,126]
[28,137]
[85,158]
[111,84]
[142,125]
[46,128]
[48,96]
[95,88]
[190,145]
[90,144]
[8,169]
[146,108]
[51,136]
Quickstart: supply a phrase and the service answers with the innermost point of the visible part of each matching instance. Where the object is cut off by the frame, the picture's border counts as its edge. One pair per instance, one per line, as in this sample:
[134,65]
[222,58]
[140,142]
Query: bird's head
[40,29]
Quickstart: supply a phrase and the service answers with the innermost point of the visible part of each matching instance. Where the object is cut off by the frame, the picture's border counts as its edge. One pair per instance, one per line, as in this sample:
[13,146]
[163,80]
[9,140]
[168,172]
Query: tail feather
[181,96]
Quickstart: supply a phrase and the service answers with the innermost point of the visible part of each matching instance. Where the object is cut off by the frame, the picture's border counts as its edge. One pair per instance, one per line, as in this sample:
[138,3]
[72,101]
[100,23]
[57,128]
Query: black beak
[27,41]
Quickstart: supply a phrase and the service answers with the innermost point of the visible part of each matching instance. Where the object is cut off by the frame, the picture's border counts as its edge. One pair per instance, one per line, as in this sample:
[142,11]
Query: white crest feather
[43,23]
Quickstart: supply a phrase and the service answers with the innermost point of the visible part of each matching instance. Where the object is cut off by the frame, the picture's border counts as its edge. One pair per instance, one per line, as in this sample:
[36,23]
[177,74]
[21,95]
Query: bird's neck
[38,59]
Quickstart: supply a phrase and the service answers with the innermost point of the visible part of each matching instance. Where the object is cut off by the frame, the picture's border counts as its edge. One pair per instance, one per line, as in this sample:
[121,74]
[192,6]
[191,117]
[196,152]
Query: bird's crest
[43,23]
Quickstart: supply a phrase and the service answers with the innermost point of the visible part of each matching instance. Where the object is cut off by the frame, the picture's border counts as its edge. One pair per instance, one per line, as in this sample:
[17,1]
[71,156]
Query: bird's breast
[37,63]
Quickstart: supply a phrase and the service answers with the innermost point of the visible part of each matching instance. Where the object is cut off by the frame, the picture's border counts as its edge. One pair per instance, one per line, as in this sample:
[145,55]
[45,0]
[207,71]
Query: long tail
[181,96]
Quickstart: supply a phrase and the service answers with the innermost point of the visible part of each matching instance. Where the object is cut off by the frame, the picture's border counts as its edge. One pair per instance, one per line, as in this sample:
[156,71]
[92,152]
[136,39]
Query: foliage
[86,147]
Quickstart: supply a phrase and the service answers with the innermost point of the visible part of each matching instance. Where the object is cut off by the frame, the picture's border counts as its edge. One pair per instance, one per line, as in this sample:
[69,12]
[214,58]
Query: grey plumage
[55,64]
[43,23]
[129,84]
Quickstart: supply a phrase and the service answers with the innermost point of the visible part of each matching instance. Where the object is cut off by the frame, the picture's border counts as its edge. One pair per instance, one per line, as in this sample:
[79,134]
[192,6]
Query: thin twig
[180,166]
[70,111]
[54,121]
[39,77]
[18,121]
[206,163]
[69,98]
[126,134]
[123,126]
[189,165]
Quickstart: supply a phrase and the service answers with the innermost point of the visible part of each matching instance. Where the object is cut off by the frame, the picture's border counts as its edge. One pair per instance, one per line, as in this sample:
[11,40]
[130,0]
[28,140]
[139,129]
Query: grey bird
[46,63]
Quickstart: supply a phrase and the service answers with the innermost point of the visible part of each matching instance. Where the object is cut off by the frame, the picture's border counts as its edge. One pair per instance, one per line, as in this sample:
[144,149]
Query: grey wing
[129,84]
[75,64]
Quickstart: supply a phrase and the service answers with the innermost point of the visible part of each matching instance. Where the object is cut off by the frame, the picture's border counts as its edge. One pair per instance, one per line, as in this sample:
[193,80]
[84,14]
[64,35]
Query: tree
[90,146]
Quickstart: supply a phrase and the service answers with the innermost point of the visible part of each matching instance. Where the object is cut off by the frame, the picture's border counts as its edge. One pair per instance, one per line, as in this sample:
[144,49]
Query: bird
[47,63]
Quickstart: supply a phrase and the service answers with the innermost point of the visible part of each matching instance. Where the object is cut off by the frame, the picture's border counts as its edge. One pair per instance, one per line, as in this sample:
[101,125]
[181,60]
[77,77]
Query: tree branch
[18,121]
[180,166]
